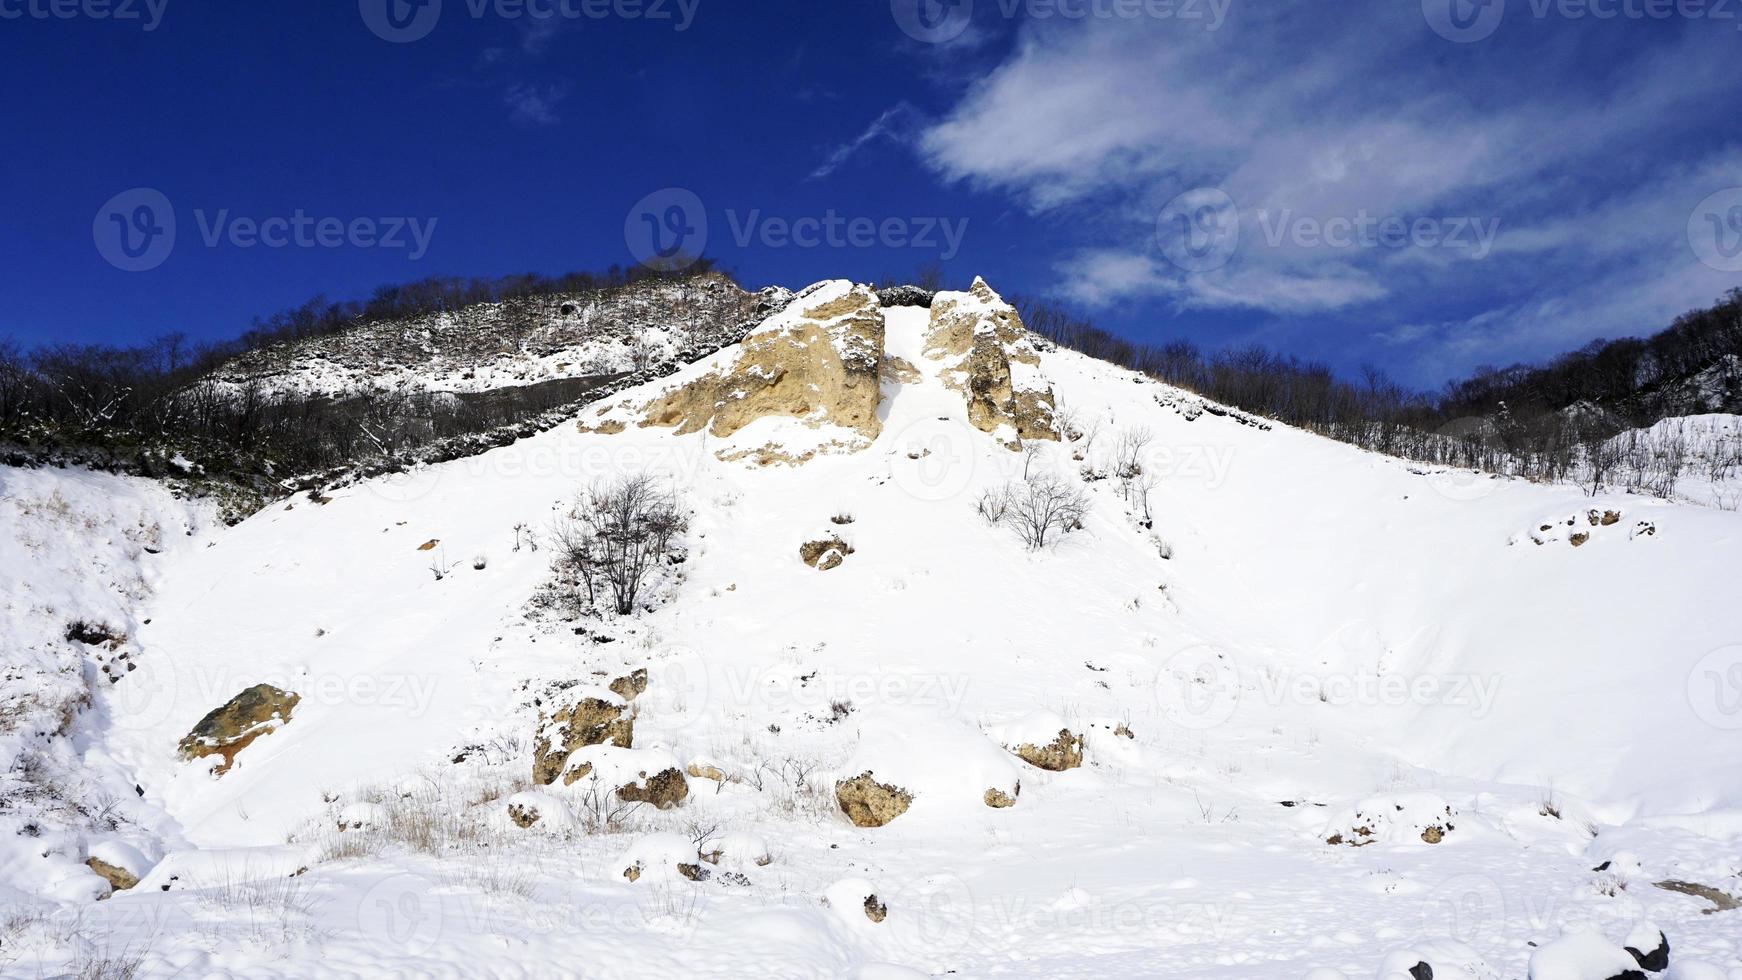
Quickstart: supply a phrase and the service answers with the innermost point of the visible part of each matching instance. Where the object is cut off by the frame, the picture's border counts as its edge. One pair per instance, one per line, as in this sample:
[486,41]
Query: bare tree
[1041,510]
[617,534]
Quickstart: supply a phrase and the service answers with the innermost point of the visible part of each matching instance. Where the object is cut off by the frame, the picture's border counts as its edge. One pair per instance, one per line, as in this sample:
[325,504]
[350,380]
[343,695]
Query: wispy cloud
[1557,136]
[898,123]
[534,105]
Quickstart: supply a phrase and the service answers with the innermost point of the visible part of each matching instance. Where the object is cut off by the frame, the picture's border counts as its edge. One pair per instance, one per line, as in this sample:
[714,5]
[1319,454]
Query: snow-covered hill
[1331,714]
[521,342]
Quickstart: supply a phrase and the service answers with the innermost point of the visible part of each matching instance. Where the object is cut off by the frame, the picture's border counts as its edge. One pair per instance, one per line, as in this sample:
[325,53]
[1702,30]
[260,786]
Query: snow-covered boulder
[533,808]
[662,858]
[943,767]
[1583,954]
[118,863]
[737,851]
[854,901]
[573,718]
[1648,946]
[1043,740]
[635,775]
[1438,959]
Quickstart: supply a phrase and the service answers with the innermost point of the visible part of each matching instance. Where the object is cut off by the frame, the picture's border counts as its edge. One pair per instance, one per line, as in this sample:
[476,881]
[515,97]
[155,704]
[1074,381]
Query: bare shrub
[616,535]
[1040,510]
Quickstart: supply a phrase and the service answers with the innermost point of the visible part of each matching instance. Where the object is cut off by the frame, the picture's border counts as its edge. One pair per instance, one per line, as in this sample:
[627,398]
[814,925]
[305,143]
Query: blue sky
[1425,185]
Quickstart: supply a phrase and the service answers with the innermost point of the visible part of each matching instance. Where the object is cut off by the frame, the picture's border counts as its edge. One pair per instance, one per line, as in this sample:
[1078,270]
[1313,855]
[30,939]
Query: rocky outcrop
[573,719]
[226,731]
[997,799]
[992,358]
[816,362]
[869,803]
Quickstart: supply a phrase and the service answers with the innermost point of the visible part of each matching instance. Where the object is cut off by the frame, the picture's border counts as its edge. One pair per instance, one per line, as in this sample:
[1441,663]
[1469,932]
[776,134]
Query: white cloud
[1330,111]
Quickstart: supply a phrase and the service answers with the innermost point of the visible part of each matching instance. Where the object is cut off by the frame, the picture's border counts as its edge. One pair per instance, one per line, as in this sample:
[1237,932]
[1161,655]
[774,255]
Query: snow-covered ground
[1311,644]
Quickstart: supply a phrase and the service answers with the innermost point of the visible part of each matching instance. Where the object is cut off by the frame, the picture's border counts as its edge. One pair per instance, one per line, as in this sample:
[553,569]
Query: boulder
[706,769]
[737,851]
[631,685]
[875,910]
[119,879]
[1583,955]
[1000,800]
[1062,753]
[826,554]
[1437,959]
[634,775]
[869,803]
[573,719]
[1648,946]
[664,789]
[227,730]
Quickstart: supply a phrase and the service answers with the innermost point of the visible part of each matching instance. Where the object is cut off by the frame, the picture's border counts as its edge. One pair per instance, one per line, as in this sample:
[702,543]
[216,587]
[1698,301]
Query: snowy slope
[492,346]
[1336,645]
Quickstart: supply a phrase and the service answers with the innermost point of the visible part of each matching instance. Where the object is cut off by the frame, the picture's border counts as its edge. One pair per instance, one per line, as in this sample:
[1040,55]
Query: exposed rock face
[1000,800]
[1064,752]
[119,879]
[577,719]
[826,554]
[817,361]
[869,803]
[228,730]
[993,359]
[665,789]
